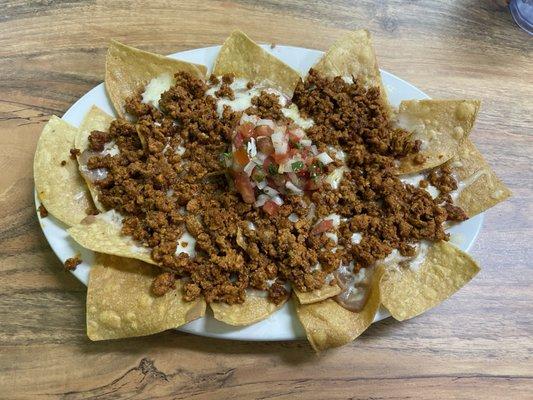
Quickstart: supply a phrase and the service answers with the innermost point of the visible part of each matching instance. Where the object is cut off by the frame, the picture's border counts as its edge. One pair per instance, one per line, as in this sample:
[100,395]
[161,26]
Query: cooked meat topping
[72,263]
[164,282]
[43,212]
[74,153]
[266,106]
[276,222]
[97,140]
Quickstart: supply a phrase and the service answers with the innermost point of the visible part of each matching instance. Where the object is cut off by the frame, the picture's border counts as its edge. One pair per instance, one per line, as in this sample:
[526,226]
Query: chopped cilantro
[296,145]
[297,166]
[272,169]
[225,159]
[258,176]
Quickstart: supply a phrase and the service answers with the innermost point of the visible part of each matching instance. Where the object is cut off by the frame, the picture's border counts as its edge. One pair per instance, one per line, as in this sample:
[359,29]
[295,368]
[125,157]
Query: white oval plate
[284,324]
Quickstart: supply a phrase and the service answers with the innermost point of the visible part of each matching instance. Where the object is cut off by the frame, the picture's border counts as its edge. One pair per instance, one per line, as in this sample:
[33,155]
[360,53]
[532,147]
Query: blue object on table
[522,12]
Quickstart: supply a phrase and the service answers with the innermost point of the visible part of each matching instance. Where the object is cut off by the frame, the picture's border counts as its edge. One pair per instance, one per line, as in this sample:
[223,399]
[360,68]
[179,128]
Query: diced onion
[261,200]
[249,168]
[335,218]
[291,186]
[324,158]
[279,140]
[270,191]
[261,185]
[293,217]
[251,148]
[335,178]
[306,142]
[261,156]
[278,200]
[314,150]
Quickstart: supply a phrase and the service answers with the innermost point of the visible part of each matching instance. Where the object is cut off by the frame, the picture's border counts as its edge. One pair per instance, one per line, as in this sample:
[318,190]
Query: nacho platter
[280,325]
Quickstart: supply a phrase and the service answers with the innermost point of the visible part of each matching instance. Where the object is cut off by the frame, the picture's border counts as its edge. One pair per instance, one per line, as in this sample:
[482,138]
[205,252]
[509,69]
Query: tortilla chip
[120,303]
[327,324]
[244,58]
[128,68]
[441,125]
[407,293]
[317,295]
[94,120]
[353,56]
[479,187]
[254,309]
[60,188]
[102,234]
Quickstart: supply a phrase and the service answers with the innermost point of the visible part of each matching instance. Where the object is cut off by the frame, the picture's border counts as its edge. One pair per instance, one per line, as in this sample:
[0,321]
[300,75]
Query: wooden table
[476,345]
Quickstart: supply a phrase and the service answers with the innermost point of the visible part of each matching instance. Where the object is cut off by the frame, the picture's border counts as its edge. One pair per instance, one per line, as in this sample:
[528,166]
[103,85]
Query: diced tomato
[263,130]
[246,130]
[266,165]
[244,187]
[264,145]
[277,181]
[280,158]
[311,185]
[270,207]
[322,227]
[294,138]
[310,160]
[238,140]
[293,152]
[241,156]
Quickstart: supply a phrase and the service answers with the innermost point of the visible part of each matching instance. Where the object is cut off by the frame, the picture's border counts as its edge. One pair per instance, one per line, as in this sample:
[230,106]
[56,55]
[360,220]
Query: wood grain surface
[477,345]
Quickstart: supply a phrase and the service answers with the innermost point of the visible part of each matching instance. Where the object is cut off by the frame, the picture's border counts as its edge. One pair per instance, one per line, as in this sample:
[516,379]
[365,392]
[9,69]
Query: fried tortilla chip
[407,293]
[327,324]
[94,120]
[353,56]
[315,296]
[244,58]
[120,303]
[60,187]
[102,233]
[478,186]
[128,68]
[441,126]
[254,309]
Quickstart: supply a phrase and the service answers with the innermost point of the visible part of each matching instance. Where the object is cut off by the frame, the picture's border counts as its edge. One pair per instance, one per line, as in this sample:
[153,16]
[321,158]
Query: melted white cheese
[462,184]
[113,217]
[243,96]
[293,113]
[186,244]
[332,236]
[243,100]
[356,238]
[339,154]
[111,149]
[155,88]
[334,179]
[414,263]
[293,217]
[414,180]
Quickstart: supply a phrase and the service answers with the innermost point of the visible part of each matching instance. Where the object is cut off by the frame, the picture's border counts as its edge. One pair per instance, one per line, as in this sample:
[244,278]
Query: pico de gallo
[268,160]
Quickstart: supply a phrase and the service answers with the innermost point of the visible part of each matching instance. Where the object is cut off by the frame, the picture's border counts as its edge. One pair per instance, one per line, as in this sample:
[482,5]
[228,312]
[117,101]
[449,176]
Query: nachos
[255,185]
